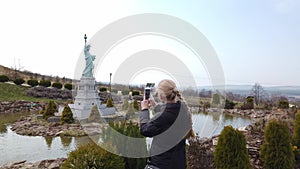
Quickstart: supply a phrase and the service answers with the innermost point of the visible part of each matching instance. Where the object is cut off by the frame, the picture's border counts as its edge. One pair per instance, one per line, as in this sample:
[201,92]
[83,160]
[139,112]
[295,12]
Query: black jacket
[168,129]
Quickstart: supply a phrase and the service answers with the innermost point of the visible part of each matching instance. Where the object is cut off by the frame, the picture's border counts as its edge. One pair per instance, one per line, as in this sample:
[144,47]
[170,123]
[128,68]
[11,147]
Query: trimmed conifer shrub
[3,78]
[135,92]
[68,86]
[51,108]
[283,104]
[125,104]
[19,81]
[57,85]
[276,152]
[45,83]
[231,151]
[130,111]
[67,115]
[32,83]
[109,103]
[296,137]
[102,89]
[92,156]
[136,105]
[129,129]
[94,115]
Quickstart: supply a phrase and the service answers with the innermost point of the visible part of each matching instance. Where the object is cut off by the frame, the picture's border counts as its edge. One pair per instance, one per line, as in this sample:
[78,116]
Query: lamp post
[110,82]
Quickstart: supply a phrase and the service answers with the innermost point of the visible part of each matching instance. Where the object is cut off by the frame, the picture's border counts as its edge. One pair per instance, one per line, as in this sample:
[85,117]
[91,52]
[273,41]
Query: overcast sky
[256,41]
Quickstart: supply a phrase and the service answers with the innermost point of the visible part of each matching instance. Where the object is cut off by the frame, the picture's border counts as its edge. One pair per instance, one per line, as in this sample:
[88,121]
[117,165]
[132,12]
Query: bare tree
[258,93]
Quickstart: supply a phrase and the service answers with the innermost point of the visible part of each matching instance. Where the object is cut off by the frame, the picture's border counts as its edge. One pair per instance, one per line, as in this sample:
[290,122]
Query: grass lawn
[11,92]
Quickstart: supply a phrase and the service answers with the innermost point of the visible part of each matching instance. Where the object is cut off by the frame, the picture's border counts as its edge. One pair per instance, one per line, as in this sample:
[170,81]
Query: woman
[169,128]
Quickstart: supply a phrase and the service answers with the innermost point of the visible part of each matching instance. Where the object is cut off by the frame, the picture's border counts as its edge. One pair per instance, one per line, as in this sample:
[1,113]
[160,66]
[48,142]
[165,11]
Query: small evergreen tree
[45,83]
[136,105]
[92,156]
[129,129]
[57,85]
[51,108]
[19,81]
[249,103]
[277,152]
[130,111]
[231,151]
[296,132]
[296,136]
[283,104]
[102,89]
[135,92]
[229,104]
[94,115]
[68,86]
[33,83]
[67,115]
[216,99]
[3,78]
[109,102]
[125,104]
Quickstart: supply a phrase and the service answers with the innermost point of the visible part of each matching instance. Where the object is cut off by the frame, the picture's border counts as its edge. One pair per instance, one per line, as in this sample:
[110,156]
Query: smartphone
[147,93]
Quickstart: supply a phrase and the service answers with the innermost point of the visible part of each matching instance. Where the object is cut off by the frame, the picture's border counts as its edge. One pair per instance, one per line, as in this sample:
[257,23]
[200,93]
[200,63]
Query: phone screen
[147,94]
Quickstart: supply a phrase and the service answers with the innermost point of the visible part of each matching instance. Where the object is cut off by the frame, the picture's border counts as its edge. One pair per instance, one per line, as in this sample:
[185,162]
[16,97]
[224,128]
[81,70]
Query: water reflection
[48,140]
[66,141]
[3,129]
[33,148]
[209,124]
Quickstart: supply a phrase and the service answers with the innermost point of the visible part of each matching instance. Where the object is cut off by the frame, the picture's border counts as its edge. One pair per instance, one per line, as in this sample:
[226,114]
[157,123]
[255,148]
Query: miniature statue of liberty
[89,66]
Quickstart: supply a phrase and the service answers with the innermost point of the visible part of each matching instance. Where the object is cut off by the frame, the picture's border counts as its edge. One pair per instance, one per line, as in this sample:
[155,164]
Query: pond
[15,147]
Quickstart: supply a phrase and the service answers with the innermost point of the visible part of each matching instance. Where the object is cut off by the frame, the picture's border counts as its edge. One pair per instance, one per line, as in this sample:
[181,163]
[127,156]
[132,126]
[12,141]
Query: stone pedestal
[86,98]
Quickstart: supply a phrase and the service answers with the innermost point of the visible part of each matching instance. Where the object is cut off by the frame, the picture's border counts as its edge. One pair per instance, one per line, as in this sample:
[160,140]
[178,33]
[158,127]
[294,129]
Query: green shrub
[45,83]
[109,103]
[94,115]
[296,136]
[67,115]
[102,89]
[68,86]
[19,81]
[296,132]
[276,152]
[33,83]
[231,151]
[125,104]
[51,108]
[216,99]
[136,105]
[229,104]
[129,129]
[283,104]
[3,78]
[125,92]
[92,156]
[130,111]
[135,92]
[249,104]
[57,85]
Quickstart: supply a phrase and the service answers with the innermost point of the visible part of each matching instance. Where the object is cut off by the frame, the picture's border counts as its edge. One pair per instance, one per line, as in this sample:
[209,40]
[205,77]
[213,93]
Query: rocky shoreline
[49,164]
[30,126]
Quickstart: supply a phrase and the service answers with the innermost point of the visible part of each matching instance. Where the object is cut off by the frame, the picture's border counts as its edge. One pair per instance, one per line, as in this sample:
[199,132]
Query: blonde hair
[168,91]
